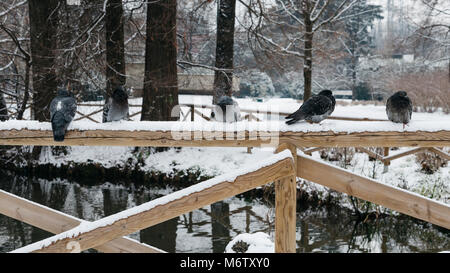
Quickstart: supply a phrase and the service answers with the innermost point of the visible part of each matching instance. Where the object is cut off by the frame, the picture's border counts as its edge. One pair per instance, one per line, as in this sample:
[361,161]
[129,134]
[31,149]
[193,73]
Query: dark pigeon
[117,106]
[399,108]
[62,111]
[315,109]
[226,110]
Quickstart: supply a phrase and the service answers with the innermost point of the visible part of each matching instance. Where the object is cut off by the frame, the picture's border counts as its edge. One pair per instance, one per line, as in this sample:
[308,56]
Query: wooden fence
[251,115]
[283,169]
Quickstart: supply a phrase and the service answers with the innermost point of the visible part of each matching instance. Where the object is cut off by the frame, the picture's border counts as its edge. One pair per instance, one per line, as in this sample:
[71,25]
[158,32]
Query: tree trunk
[353,65]
[3,108]
[43,25]
[160,79]
[115,46]
[307,67]
[223,81]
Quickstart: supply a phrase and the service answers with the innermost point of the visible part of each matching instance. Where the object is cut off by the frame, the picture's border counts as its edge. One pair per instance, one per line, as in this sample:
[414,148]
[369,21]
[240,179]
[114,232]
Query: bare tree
[293,26]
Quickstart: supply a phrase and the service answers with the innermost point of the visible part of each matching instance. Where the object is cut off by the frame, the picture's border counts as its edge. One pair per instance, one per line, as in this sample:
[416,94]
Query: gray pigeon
[315,109]
[399,108]
[117,106]
[62,111]
[226,110]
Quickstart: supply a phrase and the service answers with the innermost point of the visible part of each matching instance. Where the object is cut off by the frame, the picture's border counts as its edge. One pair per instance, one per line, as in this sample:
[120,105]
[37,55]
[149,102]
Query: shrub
[430,162]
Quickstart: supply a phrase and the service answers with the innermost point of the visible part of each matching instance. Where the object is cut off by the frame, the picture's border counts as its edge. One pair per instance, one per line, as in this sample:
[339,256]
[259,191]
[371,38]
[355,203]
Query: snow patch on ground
[259,242]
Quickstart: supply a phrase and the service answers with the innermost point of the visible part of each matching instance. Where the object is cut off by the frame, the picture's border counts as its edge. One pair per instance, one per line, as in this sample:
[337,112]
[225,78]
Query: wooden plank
[370,153]
[222,139]
[88,116]
[178,206]
[312,150]
[56,222]
[286,208]
[135,114]
[370,190]
[402,154]
[201,114]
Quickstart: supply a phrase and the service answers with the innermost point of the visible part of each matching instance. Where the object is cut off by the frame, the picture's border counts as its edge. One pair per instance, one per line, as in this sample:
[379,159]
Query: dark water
[211,228]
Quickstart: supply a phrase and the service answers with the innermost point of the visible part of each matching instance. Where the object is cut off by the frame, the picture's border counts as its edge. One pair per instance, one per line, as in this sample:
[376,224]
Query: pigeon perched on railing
[117,107]
[399,108]
[315,109]
[226,110]
[62,111]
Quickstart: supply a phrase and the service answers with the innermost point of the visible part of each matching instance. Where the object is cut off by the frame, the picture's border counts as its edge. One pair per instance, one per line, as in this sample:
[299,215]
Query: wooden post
[386,162]
[192,112]
[286,208]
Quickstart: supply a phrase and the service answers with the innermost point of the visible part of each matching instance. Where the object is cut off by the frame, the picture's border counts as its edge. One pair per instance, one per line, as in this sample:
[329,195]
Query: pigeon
[62,111]
[315,109]
[399,108]
[117,106]
[226,110]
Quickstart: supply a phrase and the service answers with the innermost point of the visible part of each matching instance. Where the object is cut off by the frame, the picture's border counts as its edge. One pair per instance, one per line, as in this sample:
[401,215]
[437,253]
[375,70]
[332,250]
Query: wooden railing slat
[57,222]
[370,190]
[182,138]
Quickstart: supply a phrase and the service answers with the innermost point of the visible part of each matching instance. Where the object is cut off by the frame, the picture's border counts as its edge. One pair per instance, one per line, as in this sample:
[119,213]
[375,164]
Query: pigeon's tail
[59,127]
[294,117]
[292,121]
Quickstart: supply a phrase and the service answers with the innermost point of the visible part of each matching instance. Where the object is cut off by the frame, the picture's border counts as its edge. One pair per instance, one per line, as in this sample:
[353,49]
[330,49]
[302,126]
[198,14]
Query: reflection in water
[220,226]
[211,228]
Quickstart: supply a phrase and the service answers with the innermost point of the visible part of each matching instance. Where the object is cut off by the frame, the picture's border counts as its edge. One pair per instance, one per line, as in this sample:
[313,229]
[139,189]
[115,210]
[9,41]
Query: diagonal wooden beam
[83,116]
[56,222]
[402,154]
[391,197]
[201,114]
[91,235]
[372,154]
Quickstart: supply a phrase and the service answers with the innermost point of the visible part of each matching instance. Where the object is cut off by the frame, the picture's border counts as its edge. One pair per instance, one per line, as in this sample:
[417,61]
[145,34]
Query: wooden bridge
[286,165]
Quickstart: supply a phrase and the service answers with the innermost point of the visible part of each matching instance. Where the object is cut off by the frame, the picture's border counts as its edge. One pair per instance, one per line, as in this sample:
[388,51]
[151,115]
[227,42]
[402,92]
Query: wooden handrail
[217,138]
[56,222]
[373,191]
[167,207]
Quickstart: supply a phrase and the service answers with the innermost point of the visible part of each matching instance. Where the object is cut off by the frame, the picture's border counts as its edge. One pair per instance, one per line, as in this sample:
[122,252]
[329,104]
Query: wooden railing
[56,222]
[92,235]
[251,115]
[386,158]
[283,169]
